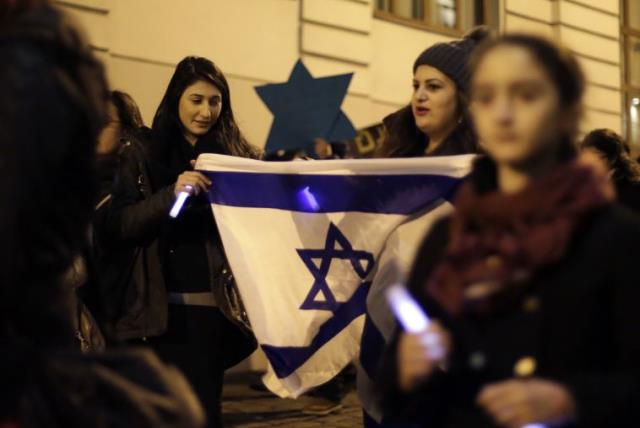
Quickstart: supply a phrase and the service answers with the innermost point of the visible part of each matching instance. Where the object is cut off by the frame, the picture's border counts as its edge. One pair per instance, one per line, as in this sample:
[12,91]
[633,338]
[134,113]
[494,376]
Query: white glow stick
[407,310]
[414,319]
[180,200]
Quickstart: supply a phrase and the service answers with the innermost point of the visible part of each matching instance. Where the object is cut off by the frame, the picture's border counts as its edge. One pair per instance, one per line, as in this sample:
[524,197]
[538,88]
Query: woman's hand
[419,354]
[192,182]
[518,402]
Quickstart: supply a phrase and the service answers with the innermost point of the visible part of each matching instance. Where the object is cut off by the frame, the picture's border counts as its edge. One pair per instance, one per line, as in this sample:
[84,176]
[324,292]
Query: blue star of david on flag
[337,246]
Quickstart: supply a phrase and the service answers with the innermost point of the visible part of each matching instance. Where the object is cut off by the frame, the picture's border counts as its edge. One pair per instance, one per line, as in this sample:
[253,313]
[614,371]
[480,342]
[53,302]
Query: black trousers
[194,343]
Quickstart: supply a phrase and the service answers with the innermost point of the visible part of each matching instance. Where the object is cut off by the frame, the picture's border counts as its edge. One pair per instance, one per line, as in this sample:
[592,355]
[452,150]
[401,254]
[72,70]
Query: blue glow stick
[180,200]
[308,199]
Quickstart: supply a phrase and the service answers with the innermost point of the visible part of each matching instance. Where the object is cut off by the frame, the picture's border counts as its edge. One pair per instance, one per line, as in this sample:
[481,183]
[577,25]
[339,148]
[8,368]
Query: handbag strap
[140,157]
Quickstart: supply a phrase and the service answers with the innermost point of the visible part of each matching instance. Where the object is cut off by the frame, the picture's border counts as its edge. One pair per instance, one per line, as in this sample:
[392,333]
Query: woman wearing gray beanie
[436,123]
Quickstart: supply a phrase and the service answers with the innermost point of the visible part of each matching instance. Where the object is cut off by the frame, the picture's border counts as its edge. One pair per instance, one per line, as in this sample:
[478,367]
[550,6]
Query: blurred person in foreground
[51,111]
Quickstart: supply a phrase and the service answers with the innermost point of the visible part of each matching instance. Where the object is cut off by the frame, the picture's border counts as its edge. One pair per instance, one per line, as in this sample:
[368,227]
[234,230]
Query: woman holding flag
[435,123]
[532,279]
[180,303]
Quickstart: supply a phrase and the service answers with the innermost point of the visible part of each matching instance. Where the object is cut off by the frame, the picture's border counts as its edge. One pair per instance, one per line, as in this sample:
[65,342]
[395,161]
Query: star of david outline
[326,255]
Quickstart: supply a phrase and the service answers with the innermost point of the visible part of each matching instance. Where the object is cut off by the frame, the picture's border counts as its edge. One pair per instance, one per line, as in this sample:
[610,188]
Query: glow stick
[407,310]
[309,200]
[180,200]
[414,319]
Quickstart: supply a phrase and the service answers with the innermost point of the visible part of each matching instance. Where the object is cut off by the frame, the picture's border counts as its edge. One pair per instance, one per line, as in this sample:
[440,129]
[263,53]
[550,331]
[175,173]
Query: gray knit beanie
[452,58]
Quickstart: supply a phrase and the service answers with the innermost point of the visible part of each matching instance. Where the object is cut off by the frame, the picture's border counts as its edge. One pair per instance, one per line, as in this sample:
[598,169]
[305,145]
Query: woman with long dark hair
[435,123]
[179,302]
[532,281]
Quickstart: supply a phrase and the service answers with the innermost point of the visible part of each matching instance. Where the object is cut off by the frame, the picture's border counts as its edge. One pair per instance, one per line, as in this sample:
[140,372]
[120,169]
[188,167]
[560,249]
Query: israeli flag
[304,240]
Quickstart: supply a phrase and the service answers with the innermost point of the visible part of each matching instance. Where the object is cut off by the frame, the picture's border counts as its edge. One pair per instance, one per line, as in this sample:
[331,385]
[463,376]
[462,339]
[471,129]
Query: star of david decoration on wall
[337,246]
[305,108]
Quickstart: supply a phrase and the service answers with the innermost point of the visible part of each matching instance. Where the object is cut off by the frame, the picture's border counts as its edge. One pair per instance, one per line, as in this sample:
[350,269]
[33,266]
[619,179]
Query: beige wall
[258,41]
[591,29]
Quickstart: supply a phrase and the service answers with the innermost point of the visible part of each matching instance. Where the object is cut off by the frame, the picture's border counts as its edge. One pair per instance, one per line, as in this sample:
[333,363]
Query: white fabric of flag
[304,239]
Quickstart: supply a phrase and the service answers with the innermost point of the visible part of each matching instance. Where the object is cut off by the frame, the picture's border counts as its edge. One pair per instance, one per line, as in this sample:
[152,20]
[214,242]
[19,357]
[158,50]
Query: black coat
[629,194]
[404,139]
[137,222]
[579,320]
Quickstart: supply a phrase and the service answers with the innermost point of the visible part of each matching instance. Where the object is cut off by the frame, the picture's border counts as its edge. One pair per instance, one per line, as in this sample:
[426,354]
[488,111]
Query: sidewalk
[243,407]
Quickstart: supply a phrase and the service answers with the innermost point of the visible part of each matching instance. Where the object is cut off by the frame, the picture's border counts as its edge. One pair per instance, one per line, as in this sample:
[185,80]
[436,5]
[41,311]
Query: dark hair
[13,8]
[225,133]
[616,151]
[128,112]
[560,65]
[52,108]
[404,139]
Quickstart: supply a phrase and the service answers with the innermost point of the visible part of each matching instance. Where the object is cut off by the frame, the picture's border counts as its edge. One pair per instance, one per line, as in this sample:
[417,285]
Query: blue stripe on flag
[385,194]
[286,360]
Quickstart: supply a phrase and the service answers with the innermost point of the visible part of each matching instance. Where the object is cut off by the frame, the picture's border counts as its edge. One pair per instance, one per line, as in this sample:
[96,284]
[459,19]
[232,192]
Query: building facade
[258,41]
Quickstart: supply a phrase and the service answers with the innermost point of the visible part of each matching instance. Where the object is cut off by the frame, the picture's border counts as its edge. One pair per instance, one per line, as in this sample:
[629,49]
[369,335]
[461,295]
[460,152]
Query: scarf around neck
[497,241]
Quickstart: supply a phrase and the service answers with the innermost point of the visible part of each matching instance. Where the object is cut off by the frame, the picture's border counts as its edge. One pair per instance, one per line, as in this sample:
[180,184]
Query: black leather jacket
[132,229]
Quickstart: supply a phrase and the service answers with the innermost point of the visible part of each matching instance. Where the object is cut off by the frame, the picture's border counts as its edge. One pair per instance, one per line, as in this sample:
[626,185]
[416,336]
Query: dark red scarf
[497,241]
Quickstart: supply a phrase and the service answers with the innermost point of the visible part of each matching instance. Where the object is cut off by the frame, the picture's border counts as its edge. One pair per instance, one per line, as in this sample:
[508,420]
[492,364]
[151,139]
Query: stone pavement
[242,407]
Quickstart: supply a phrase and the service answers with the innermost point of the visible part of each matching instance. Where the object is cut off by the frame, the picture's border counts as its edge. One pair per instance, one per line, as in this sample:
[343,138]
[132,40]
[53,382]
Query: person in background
[184,303]
[52,108]
[625,172]
[124,123]
[531,283]
[437,122]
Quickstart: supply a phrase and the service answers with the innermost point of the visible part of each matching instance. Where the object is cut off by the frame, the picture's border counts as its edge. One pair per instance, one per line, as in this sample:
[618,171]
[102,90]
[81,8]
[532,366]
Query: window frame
[628,91]
[426,22]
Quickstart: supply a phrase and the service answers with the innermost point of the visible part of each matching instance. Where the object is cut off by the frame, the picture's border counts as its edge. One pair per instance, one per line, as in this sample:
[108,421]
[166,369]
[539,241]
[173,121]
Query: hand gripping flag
[303,240]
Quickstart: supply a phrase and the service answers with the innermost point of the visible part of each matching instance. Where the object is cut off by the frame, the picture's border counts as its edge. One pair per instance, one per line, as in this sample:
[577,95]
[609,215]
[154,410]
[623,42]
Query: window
[452,17]
[631,88]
